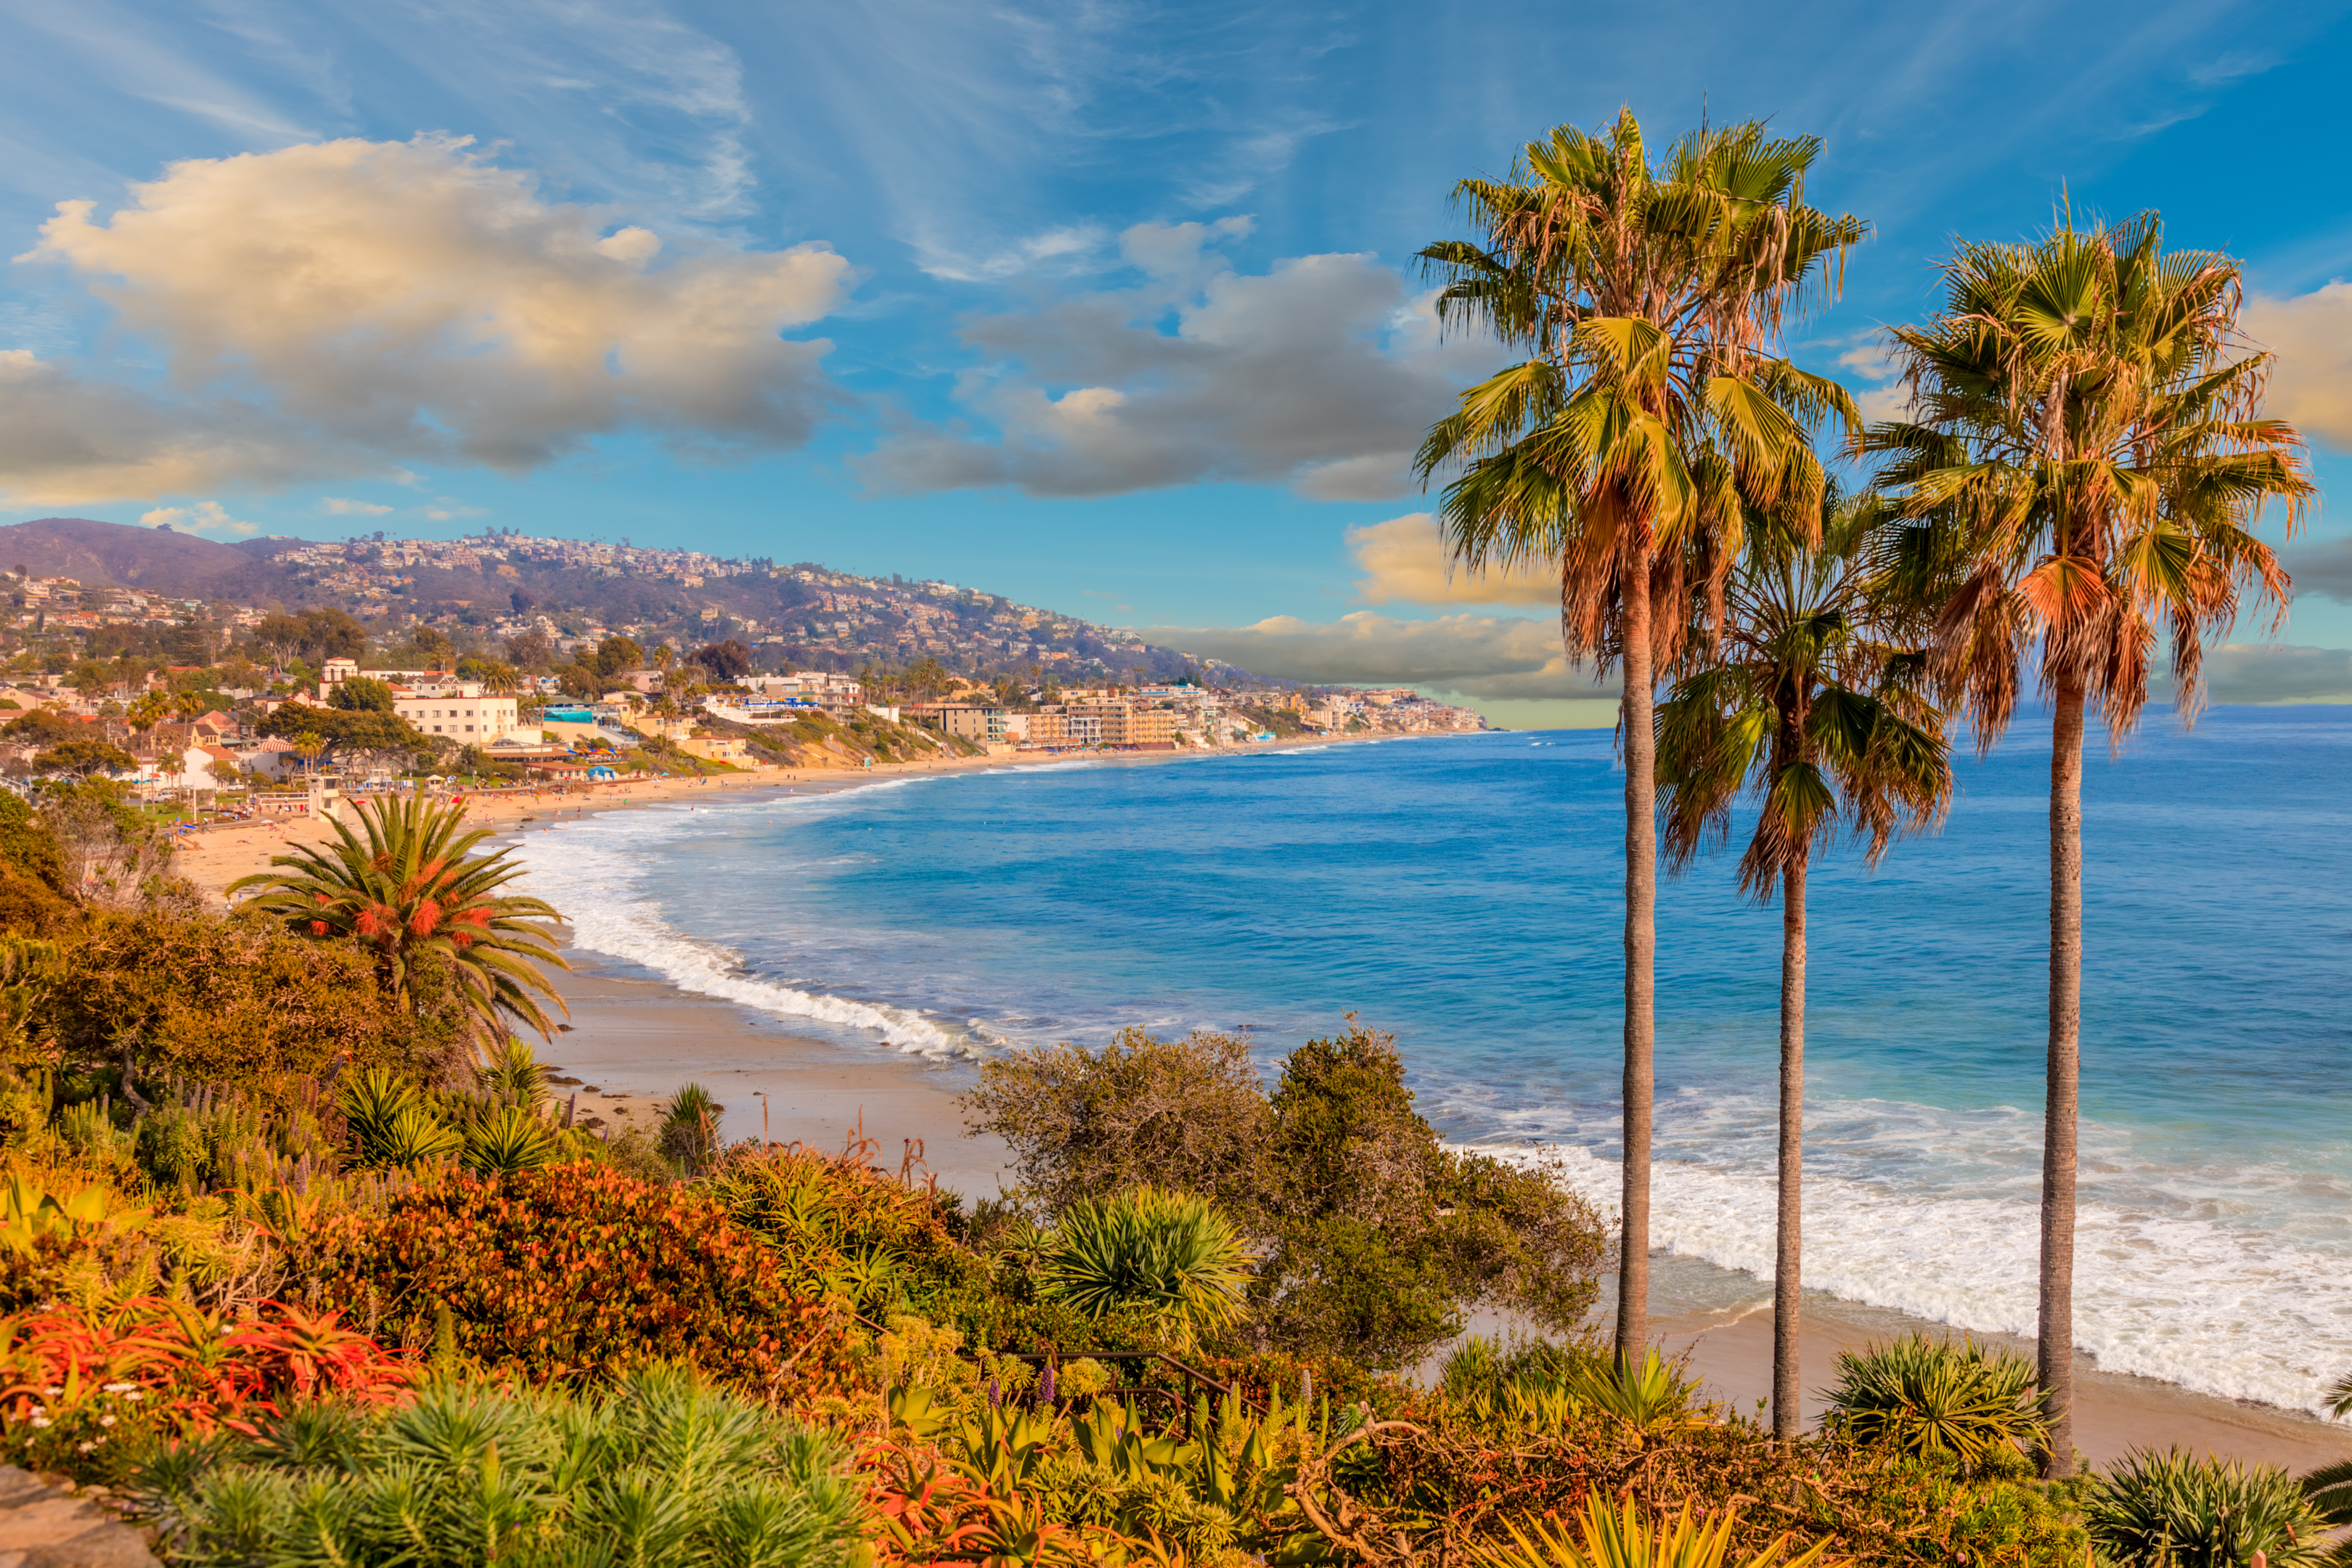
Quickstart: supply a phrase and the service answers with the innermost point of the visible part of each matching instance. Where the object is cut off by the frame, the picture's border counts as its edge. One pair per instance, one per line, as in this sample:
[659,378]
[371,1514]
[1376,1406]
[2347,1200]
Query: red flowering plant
[81,1391]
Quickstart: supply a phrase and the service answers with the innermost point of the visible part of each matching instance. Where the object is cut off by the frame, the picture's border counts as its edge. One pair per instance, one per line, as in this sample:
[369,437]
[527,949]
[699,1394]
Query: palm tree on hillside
[2084,463]
[1647,409]
[1810,707]
[409,888]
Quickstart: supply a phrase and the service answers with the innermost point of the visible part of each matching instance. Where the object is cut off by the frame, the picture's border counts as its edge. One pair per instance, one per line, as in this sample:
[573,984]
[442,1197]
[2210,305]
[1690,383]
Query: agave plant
[1624,1537]
[664,1469]
[1174,1252]
[1925,1396]
[409,888]
[2170,1510]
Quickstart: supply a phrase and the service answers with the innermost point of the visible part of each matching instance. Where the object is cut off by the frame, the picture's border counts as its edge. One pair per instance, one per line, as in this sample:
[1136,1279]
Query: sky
[1110,307]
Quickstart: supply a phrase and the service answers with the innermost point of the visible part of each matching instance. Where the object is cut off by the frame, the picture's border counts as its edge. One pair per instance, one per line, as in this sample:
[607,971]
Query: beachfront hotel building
[436,702]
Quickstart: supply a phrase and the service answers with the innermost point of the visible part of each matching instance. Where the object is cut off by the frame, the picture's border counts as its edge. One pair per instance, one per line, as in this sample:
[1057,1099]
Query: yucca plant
[1174,1253]
[2170,1510]
[662,1469]
[1930,1396]
[393,1124]
[1623,1536]
[508,1140]
[689,1134]
[513,1074]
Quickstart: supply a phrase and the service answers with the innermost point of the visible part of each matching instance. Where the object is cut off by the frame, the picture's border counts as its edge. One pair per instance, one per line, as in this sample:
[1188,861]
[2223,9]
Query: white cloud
[1405,560]
[336,506]
[2323,569]
[2312,333]
[331,307]
[1322,373]
[1477,656]
[203,516]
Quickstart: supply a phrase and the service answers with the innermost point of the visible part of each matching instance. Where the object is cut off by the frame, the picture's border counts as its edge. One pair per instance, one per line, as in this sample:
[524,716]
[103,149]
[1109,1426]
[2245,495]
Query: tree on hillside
[531,652]
[727,661]
[360,694]
[80,759]
[1810,711]
[367,739]
[2083,464]
[408,887]
[46,727]
[1647,412]
[616,657]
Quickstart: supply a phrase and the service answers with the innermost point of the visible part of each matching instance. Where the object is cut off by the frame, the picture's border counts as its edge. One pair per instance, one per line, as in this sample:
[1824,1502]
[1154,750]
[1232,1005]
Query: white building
[436,702]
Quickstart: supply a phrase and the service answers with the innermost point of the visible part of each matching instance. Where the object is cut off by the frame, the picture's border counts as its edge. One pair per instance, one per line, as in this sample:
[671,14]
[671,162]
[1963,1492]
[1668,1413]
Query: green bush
[661,1470]
[2170,1510]
[1931,1396]
[574,1272]
[232,1000]
[1374,1239]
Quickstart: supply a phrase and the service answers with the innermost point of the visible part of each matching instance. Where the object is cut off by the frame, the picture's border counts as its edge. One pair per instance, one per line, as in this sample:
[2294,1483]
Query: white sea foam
[591,876]
[2159,1294]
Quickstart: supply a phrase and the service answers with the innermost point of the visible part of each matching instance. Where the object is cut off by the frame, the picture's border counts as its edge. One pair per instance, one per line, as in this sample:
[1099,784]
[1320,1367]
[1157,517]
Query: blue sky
[1104,306]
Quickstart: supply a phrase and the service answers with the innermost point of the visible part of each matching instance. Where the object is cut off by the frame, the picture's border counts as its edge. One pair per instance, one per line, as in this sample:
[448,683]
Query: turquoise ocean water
[1463,893]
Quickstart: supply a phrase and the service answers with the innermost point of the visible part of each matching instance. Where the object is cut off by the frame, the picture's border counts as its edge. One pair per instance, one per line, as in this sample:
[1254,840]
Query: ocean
[1463,893]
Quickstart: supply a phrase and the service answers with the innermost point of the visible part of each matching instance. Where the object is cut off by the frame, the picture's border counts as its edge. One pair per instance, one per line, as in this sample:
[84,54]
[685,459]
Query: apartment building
[435,702]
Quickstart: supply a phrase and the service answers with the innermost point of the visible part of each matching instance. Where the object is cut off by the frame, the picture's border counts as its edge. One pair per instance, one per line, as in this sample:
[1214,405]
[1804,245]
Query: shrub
[575,1271]
[662,1469]
[840,1227]
[1374,1239]
[1187,1113]
[228,1001]
[1925,1395]
[1168,1252]
[2169,1510]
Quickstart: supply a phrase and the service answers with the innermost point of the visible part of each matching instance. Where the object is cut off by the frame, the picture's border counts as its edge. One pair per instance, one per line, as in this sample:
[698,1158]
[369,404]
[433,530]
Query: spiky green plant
[1172,1252]
[513,1074]
[509,1139]
[409,888]
[1616,1534]
[689,1133]
[2171,1511]
[1925,1396]
[392,1124]
[662,1469]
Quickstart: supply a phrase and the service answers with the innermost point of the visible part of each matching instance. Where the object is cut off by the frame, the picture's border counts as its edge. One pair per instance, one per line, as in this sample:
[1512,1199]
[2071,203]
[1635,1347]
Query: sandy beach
[631,1040]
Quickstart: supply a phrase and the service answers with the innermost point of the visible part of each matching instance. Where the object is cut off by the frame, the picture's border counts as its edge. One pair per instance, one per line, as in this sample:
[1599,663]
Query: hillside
[483,589]
[157,559]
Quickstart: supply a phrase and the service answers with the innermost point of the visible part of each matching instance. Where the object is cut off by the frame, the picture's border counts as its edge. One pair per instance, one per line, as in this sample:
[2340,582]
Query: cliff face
[118,555]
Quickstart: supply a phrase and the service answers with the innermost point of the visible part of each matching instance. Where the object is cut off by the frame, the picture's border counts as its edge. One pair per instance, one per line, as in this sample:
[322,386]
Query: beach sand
[632,1040]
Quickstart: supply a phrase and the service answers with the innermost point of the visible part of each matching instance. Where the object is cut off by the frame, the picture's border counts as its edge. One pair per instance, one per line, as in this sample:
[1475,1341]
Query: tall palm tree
[1810,705]
[2083,467]
[409,887]
[1647,408]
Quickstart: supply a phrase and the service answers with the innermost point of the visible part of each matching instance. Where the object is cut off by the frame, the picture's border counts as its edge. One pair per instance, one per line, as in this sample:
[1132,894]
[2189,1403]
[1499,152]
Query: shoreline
[634,1038]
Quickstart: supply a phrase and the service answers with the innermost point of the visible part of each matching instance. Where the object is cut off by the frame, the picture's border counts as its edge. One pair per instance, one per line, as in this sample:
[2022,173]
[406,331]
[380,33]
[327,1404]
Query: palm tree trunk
[1788,1265]
[2056,1342]
[1641,946]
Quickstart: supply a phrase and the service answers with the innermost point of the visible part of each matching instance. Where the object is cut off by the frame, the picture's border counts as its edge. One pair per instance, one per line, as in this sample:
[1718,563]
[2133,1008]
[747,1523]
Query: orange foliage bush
[576,1271]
